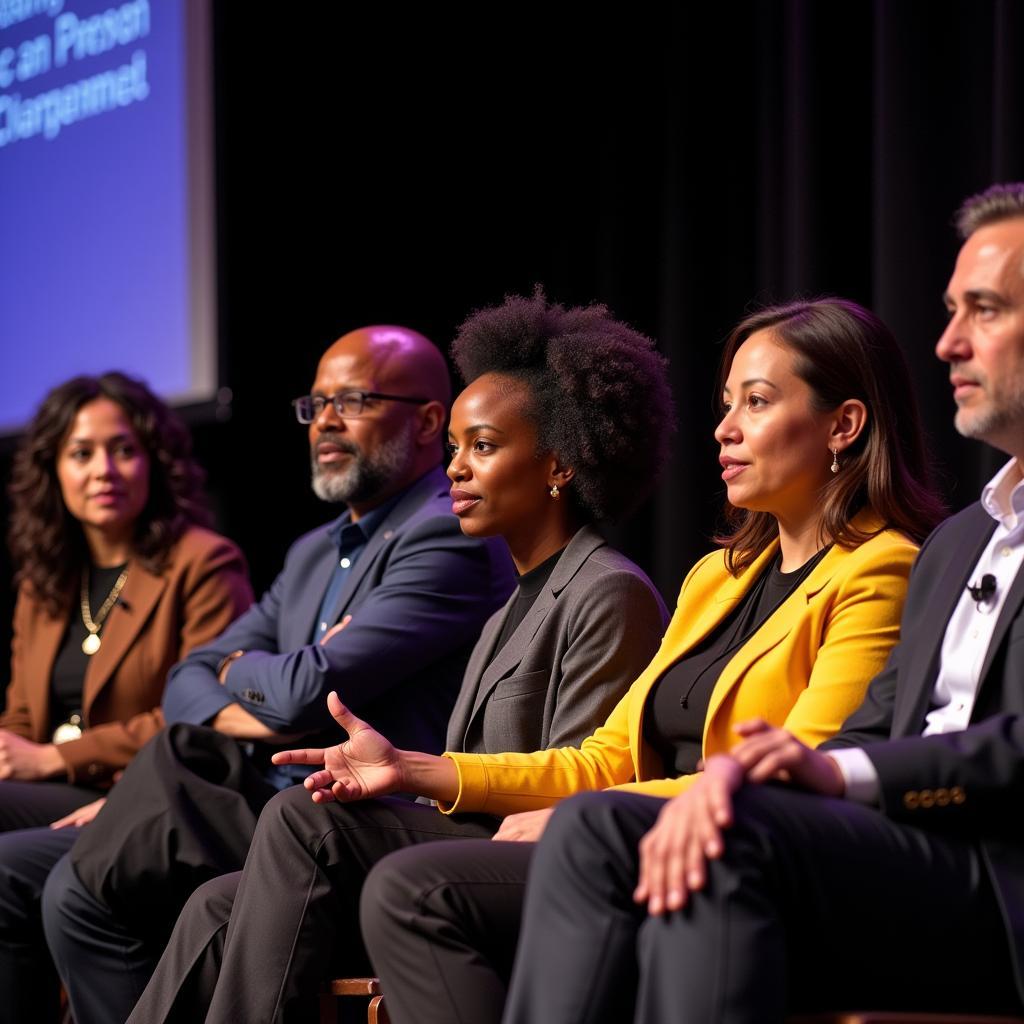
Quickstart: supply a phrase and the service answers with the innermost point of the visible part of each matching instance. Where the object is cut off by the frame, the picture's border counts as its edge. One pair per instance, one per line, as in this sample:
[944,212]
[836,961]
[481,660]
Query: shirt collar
[342,529]
[1003,496]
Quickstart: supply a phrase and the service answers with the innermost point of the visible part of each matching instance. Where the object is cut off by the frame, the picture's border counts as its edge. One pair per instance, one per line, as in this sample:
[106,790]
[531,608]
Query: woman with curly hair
[538,457]
[118,578]
[787,622]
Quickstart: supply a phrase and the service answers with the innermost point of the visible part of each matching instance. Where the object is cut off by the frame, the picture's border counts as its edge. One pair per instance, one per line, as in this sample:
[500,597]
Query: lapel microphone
[983,591]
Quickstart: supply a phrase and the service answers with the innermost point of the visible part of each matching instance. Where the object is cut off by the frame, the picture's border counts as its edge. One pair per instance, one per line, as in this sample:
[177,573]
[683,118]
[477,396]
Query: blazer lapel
[1007,615]
[686,632]
[772,632]
[578,550]
[923,657]
[458,720]
[141,592]
[407,504]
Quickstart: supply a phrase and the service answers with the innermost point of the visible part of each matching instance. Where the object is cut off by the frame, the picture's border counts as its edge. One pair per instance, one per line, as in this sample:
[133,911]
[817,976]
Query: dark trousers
[294,918]
[28,852]
[815,904]
[441,923]
[184,812]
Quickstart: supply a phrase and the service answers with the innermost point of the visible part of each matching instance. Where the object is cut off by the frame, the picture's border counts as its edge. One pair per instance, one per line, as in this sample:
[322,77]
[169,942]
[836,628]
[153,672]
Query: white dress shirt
[968,632]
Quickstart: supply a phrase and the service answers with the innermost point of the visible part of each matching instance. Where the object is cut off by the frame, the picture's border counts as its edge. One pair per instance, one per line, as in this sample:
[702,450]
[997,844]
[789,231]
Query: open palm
[365,765]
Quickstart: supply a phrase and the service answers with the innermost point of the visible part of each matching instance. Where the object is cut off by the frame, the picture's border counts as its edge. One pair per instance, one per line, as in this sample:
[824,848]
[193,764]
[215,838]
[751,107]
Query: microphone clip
[984,591]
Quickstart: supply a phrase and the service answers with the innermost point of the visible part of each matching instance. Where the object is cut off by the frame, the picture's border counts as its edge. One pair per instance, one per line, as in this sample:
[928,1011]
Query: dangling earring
[835,460]
[555,493]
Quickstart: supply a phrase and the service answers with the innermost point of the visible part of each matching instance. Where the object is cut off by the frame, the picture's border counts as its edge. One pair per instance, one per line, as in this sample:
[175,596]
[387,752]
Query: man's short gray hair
[996,203]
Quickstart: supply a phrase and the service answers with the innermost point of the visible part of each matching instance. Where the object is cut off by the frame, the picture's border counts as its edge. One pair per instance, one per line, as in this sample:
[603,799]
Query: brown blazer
[155,623]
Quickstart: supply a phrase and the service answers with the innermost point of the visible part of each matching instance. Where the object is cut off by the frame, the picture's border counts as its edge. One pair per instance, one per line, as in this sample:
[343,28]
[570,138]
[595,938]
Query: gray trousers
[255,945]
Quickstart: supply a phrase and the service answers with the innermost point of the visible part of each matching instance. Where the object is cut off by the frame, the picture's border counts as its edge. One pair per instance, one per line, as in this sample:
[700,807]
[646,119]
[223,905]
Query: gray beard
[366,475]
[998,422]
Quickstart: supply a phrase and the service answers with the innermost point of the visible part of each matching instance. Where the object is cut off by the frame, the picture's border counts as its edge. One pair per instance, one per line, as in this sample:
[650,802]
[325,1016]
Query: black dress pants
[815,904]
[293,911]
[28,851]
[184,812]
[440,923]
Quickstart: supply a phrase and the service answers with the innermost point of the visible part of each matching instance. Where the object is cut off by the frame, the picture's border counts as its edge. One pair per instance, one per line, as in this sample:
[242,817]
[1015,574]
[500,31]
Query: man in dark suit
[382,605]
[886,869]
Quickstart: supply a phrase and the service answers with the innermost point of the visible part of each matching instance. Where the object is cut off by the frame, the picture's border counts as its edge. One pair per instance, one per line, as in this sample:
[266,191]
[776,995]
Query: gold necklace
[91,644]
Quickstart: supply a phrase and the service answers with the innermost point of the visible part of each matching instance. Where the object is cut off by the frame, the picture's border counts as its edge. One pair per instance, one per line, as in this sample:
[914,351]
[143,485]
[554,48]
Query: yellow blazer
[805,669]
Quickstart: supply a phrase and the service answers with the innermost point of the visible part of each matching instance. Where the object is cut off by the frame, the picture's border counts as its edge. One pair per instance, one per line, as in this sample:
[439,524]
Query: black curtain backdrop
[680,165]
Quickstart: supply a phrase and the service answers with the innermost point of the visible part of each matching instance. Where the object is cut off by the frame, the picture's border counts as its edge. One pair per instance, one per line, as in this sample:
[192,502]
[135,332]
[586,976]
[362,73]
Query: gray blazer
[591,631]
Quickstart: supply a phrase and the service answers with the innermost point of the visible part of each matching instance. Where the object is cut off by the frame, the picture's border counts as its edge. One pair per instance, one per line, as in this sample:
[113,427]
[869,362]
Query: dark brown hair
[843,351]
[599,393]
[46,542]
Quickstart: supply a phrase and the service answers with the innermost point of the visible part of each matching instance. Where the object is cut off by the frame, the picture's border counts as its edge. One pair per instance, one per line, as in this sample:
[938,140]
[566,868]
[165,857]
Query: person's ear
[848,423]
[432,418]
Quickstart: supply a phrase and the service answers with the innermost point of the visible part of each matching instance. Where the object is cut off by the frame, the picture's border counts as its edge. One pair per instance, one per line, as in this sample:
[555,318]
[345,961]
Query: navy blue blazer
[966,783]
[418,595]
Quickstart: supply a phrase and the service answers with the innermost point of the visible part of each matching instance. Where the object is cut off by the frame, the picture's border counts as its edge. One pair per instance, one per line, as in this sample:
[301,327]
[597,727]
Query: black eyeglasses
[349,404]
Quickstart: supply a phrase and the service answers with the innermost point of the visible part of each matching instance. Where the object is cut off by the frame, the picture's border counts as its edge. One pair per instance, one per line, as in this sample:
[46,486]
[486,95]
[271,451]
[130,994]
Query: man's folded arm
[193,693]
[432,601]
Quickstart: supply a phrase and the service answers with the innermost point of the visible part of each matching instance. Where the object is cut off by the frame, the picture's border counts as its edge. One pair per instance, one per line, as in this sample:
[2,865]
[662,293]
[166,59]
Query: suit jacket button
[942,797]
[957,794]
[911,800]
[927,798]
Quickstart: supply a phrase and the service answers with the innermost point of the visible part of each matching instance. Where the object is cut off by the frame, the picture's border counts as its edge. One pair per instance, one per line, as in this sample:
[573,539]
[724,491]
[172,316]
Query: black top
[69,667]
[530,584]
[678,703]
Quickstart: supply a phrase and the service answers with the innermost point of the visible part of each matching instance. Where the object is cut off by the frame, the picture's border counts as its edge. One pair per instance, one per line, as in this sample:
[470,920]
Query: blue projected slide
[105,218]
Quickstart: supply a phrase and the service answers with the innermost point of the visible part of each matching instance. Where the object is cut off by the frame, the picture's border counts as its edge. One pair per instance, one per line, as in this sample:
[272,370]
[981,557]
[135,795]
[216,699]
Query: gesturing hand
[688,832]
[365,765]
[770,753]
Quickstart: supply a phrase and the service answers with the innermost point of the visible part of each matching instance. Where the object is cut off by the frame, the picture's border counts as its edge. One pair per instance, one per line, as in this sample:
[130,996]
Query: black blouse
[68,675]
[530,584]
[678,702]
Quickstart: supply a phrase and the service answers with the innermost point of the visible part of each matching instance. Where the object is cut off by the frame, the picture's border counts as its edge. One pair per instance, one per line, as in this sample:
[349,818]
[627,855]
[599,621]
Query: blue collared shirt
[351,539]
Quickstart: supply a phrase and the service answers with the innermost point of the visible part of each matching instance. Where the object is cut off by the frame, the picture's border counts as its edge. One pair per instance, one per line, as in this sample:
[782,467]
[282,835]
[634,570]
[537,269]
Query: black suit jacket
[966,783]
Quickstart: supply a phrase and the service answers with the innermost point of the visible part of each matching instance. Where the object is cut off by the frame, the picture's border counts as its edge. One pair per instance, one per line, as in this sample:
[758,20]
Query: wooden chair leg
[376,1012]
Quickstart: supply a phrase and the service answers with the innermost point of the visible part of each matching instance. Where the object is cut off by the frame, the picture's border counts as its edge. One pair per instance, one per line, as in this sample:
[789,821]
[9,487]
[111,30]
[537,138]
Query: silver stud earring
[835,460]
[555,493]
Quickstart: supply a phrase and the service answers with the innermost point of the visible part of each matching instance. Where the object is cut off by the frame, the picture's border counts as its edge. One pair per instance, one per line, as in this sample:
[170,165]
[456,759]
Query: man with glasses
[382,605]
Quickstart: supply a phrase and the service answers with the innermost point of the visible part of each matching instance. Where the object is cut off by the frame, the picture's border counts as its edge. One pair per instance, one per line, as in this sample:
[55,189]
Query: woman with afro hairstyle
[562,425]
[118,579]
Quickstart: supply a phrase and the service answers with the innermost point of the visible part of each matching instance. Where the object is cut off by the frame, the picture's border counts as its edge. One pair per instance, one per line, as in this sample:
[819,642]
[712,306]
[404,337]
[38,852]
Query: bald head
[364,457]
[399,359]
